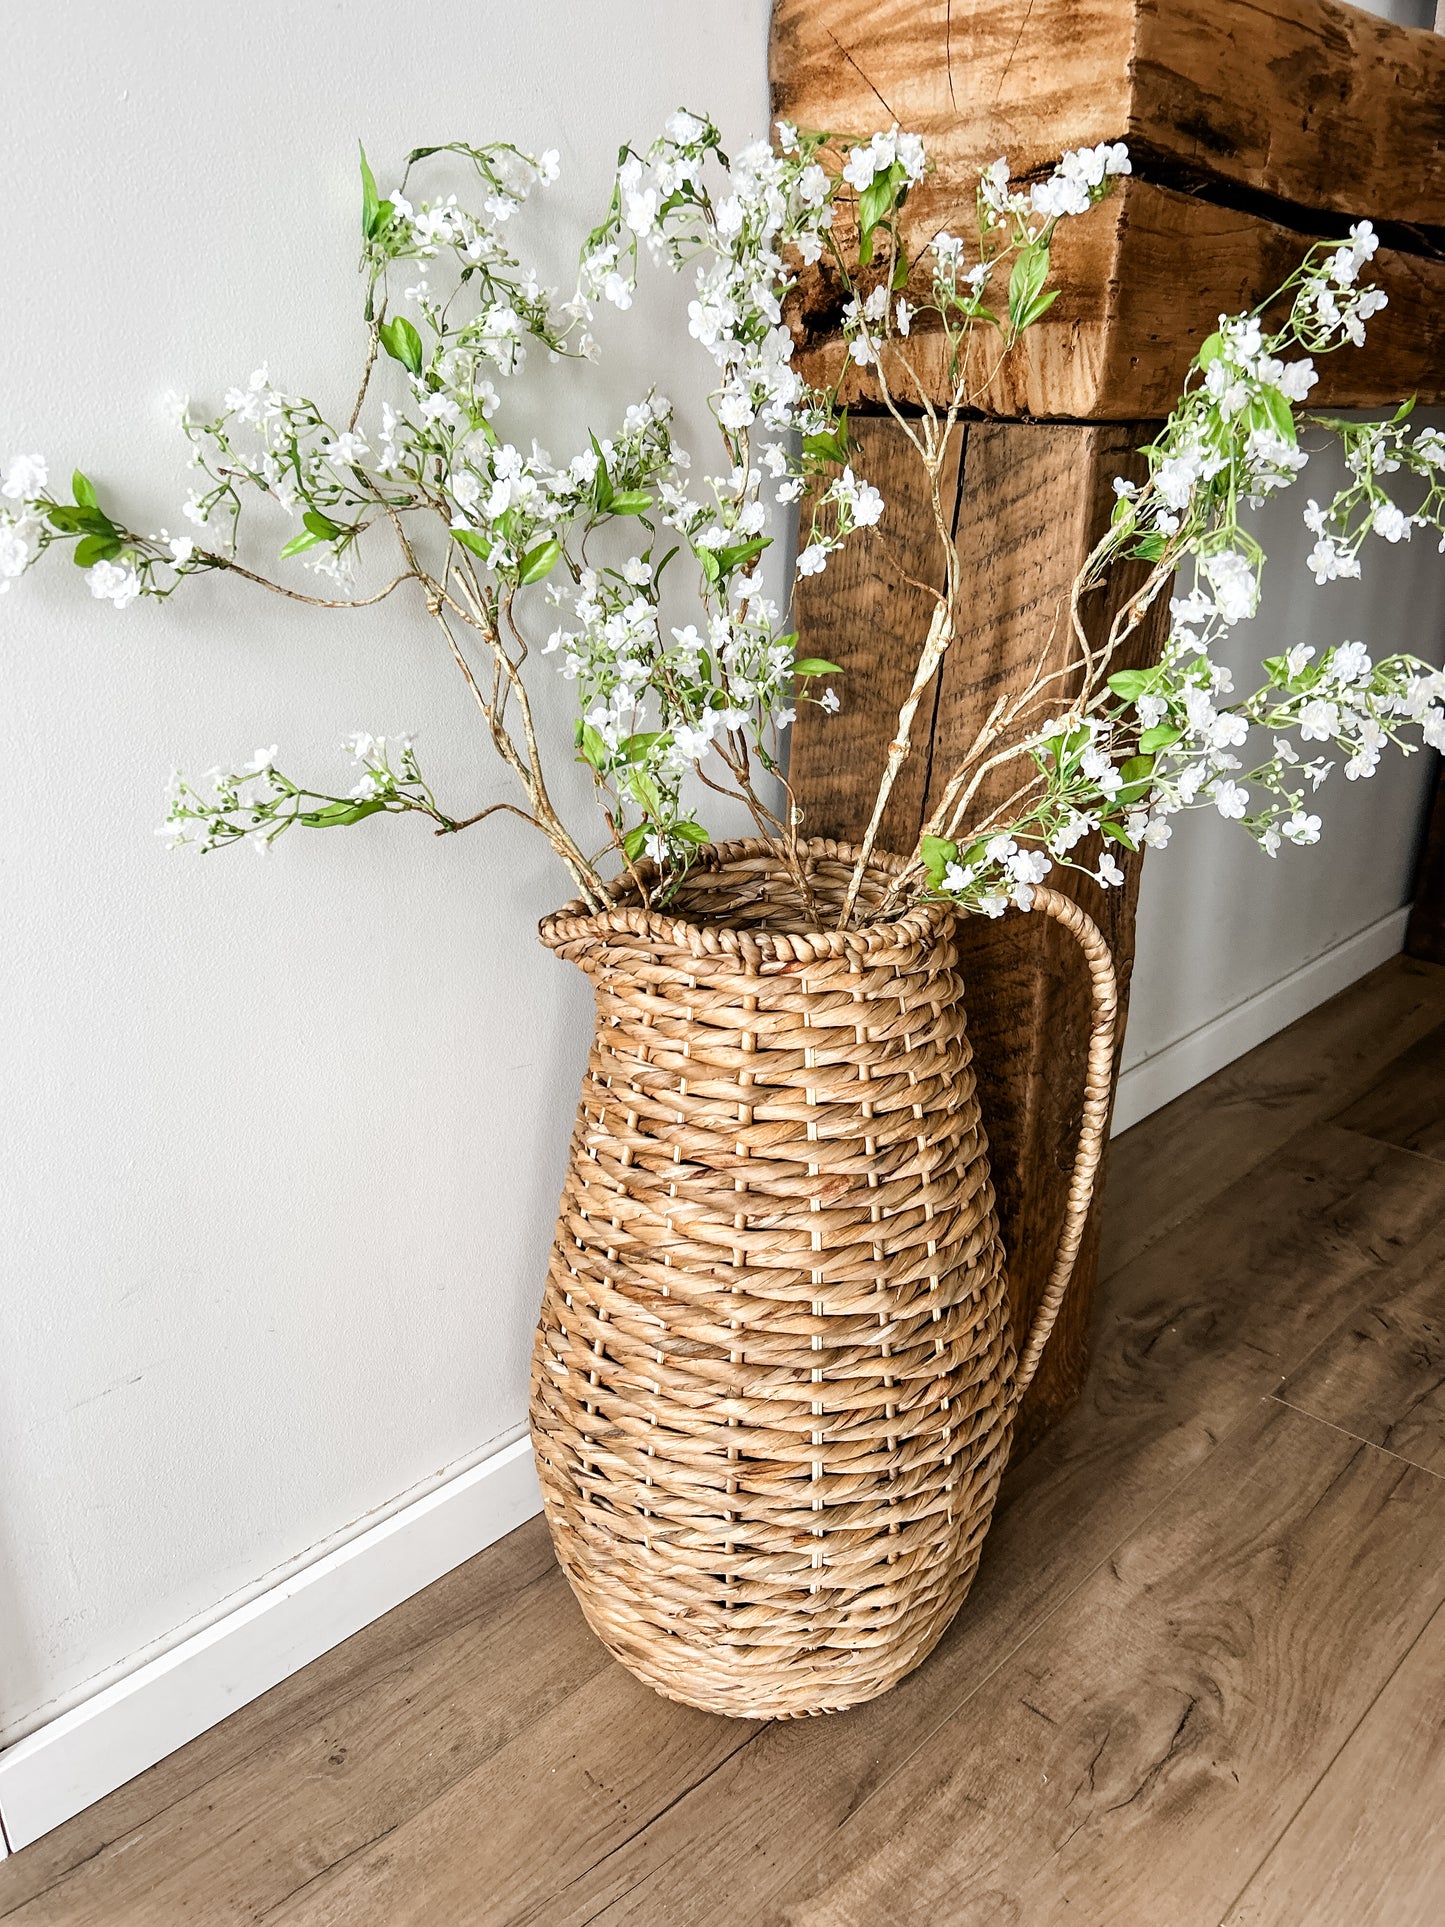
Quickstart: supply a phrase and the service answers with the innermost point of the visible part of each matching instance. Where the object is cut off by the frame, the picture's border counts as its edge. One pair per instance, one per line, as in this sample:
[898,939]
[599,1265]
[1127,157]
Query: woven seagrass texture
[774,1377]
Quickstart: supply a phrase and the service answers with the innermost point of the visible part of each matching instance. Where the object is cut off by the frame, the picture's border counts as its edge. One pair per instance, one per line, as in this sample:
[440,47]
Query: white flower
[15,550]
[685,128]
[993,905]
[345,449]
[1296,658]
[549,166]
[1319,721]
[828,702]
[903,313]
[814,559]
[1157,832]
[1029,866]
[263,760]
[957,877]
[1231,799]
[1351,663]
[25,477]
[1235,585]
[1329,560]
[182,549]
[115,582]
[1391,522]
[1302,829]
[1109,871]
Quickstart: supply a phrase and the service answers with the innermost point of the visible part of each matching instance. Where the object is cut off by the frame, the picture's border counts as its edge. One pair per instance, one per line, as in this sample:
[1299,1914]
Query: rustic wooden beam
[1028,504]
[1254,130]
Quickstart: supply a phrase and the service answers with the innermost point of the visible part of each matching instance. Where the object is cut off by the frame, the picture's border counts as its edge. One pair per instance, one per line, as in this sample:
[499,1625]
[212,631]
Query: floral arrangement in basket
[776,1374]
[640,579]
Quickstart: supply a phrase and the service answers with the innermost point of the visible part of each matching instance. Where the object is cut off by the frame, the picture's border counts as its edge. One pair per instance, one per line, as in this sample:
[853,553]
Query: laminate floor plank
[1381,1374]
[383,1657]
[1367,1849]
[1405,1104]
[1183,1155]
[253,1834]
[500,1845]
[1154,1738]
[1195,1332]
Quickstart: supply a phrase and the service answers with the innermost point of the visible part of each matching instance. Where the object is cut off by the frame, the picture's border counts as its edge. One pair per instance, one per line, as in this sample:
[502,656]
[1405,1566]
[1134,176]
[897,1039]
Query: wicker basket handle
[1098,1086]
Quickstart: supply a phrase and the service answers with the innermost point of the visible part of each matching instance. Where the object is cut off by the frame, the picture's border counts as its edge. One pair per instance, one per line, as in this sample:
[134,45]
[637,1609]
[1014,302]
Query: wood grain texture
[1028,505]
[515,1779]
[1142,280]
[1381,1375]
[1153,1718]
[387,1657]
[1302,100]
[1365,1850]
[312,1797]
[1191,1151]
[1256,129]
[1425,936]
[1404,1104]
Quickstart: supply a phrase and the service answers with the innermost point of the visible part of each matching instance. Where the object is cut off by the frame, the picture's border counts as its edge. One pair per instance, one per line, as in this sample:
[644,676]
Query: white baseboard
[105,1740]
[1152,1083]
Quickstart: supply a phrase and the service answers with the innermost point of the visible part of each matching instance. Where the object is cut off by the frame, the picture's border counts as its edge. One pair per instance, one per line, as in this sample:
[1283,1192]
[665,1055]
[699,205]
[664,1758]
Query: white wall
[286,1137]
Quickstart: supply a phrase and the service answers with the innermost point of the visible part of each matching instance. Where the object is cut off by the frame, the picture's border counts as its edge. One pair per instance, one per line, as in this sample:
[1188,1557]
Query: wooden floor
[1201,1678]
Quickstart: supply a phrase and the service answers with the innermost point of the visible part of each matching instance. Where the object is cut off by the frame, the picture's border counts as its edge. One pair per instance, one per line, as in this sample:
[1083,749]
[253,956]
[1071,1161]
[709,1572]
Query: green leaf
[402,342]
[741,553]
[1116,834]
[690,833]
[335,815]
[875,204]
[1162,736]
[635,748]
[1025,282]
[1038,307]
[1278,413]
[602,489]
[539,562]
[635,842]
[594,749]
[473,543]
[299,543]
[1130,684]
[645,791]
[1149,548]
[91,549]
[816,666]
[711,567]
[1136,773]
[322,525]
[937,854]
[370,202]
[83,489]
[1210,349]
[78,521]
[629,501]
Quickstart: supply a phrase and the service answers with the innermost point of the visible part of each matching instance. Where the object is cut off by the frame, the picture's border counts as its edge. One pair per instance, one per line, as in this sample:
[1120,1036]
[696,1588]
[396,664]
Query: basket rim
[574,924]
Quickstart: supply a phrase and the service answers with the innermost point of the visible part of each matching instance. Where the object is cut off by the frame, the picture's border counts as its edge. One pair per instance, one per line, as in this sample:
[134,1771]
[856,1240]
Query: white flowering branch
[626,540]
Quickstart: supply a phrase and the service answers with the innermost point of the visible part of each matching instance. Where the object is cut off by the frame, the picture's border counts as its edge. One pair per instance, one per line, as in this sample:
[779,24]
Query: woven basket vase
[774,1377]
